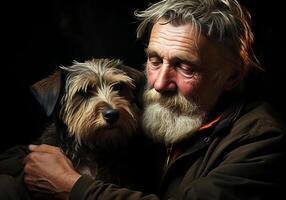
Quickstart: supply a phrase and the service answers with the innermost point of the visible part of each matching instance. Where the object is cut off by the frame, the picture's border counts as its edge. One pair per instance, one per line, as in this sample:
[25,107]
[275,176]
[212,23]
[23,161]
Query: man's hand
[47,170]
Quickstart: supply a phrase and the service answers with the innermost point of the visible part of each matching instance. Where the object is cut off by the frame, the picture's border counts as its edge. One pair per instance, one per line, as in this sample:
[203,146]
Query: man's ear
[233,80]
[47,91]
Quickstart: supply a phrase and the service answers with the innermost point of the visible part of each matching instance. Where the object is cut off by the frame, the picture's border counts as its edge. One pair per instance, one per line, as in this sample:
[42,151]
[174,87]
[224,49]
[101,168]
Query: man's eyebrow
[150,52]
[187,58]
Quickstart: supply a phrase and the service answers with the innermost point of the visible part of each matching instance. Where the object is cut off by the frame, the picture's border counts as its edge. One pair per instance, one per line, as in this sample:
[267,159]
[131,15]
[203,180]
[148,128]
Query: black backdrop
[38,36]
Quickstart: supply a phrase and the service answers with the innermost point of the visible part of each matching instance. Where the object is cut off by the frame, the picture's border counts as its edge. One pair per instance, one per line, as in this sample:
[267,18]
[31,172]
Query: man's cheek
[151,76]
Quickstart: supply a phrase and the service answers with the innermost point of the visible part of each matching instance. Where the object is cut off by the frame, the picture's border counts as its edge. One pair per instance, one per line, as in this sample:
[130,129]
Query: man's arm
[48,170]
[89,189]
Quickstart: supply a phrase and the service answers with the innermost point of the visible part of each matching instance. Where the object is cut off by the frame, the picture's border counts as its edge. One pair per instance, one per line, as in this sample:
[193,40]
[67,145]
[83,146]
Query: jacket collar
[208,132]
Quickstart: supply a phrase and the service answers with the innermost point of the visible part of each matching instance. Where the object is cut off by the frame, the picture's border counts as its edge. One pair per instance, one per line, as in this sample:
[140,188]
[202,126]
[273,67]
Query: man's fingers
[34,156]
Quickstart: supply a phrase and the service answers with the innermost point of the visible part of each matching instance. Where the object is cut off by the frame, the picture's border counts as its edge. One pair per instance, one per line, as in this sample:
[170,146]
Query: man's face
[185,68]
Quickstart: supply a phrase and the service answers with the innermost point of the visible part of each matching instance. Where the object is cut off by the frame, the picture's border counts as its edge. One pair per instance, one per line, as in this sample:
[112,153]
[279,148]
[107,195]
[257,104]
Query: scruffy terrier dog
[95,118]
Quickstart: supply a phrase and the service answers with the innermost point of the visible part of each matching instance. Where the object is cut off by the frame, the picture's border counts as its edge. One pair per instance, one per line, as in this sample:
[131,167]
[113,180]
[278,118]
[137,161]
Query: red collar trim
[210,124]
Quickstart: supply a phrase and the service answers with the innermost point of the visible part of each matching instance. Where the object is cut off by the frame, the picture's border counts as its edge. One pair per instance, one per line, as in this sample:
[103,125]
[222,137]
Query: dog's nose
[110,115]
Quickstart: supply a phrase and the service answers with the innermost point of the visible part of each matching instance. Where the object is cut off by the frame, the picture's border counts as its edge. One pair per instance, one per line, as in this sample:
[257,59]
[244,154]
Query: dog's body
[95,119]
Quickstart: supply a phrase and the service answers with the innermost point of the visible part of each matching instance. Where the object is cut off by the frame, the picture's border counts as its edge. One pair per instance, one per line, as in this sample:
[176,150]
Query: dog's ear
[135,74]
[139,83]
[47,91]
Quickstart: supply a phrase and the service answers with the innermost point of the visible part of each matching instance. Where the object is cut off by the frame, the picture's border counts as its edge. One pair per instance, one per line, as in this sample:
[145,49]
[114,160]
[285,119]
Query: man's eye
[155,61]
[185,69]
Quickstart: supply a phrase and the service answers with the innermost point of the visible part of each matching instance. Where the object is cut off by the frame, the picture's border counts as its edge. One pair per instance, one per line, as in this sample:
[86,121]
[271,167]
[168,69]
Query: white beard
[166,125]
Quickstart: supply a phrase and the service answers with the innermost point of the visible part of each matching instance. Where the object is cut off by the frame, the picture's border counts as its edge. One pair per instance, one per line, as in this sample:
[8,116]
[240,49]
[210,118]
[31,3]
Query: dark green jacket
[241,157]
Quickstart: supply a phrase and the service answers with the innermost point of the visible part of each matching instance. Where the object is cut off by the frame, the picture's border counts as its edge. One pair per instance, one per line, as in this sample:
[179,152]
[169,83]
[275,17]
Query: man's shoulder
[259,119]
[261,112]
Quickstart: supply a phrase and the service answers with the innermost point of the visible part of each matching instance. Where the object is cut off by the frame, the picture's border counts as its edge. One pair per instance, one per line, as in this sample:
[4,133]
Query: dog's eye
[117,86]
[85,93]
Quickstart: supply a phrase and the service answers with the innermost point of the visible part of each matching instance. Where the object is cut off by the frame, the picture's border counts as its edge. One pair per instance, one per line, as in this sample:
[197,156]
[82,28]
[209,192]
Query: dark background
[38,36]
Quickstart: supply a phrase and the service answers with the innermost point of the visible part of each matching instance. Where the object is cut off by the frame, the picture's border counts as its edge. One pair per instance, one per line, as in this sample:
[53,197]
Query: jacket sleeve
[11,161]
[89,189]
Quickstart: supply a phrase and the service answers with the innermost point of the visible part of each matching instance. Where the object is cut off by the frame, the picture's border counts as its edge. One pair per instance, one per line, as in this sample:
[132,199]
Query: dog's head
[95,99]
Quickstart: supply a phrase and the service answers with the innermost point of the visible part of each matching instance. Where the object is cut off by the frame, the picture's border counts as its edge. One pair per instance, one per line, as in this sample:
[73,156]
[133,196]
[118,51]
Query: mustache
[173,101]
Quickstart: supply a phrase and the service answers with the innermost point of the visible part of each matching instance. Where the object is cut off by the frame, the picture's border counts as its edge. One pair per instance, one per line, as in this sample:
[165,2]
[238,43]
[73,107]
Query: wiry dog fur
[95,119]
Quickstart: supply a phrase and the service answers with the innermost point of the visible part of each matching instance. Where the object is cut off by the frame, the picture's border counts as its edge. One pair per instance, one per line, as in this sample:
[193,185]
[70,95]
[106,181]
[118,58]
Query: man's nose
[165,80]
